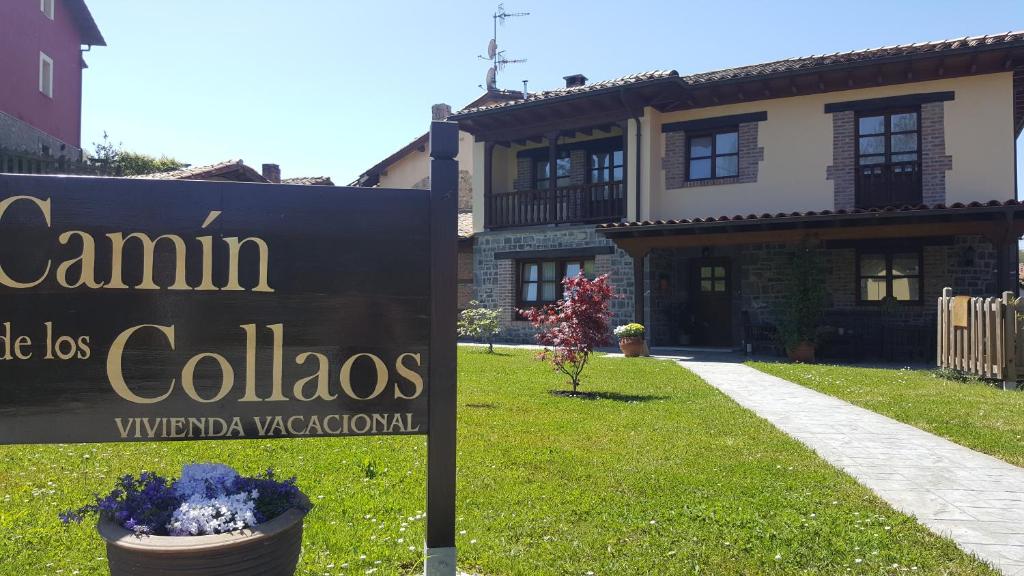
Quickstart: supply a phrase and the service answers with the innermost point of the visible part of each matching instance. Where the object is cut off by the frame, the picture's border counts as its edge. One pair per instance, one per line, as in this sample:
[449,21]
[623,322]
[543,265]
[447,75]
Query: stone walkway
[975,499]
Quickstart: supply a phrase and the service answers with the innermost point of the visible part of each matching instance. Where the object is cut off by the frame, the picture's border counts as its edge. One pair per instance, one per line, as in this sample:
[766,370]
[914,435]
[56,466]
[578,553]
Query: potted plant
[631,339]
[802,305]
[211,521]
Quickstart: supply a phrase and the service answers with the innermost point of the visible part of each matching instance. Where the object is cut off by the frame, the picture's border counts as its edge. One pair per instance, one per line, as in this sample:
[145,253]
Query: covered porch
[721,281]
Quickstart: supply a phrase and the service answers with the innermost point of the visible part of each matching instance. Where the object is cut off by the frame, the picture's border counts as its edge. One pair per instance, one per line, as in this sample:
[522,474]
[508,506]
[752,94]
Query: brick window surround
[934,160]
[674,163]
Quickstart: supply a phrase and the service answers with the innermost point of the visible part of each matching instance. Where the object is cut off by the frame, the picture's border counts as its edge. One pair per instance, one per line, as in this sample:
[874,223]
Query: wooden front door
[712,302]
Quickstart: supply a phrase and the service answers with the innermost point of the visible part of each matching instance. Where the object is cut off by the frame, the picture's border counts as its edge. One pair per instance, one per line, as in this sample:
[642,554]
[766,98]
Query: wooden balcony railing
[602,202]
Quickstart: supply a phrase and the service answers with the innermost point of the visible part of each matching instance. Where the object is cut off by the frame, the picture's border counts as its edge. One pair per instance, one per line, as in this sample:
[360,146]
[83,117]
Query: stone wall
[18,135]
[495,279]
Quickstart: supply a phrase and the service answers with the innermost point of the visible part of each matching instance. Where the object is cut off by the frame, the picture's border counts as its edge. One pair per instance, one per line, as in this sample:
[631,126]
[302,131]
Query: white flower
[200,515]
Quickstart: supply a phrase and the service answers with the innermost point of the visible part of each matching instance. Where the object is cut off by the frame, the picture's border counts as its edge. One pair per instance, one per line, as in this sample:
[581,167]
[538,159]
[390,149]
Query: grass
[971,413]
[660,474]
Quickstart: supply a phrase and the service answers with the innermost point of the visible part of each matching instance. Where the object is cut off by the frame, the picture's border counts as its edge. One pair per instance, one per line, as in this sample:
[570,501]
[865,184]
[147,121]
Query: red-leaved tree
[574,326]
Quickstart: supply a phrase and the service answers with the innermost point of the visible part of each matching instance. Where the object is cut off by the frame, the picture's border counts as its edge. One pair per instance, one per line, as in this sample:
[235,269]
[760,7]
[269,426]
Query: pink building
[41,63]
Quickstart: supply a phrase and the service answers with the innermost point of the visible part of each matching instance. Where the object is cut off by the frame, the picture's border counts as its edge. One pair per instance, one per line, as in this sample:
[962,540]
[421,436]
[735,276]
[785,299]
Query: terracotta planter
[272,549]
[632,347]
[802,352]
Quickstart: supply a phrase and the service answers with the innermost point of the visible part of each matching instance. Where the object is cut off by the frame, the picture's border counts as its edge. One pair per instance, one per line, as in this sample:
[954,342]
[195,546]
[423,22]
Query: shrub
[631,330]
[804,299]
[479,323]
[574,326]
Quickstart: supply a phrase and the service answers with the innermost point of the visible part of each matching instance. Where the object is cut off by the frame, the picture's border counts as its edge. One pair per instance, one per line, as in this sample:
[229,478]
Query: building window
[46,74]
[46,7]
[713,154]
[713,279]
[894,276]
[888,160]
[605,166]
[540,281]
[543,173]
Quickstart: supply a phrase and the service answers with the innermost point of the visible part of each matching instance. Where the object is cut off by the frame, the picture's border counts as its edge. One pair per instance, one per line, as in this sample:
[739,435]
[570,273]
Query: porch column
[552,176]
[639,286]
[489,206]
[1005,244]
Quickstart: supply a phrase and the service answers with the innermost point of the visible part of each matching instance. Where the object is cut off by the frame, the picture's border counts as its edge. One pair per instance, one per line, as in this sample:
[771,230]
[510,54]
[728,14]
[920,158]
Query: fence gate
[981,336]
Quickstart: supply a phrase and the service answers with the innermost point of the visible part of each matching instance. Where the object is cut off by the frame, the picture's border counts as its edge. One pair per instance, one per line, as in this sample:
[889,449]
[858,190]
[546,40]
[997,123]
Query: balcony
[592,203]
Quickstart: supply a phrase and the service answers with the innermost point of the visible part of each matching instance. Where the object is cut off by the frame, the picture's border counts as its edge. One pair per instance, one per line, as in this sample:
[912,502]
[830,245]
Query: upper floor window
[713,154]
[46,7]
[888,158]
[605,166]
[889,276]
[542,170]
[46,74]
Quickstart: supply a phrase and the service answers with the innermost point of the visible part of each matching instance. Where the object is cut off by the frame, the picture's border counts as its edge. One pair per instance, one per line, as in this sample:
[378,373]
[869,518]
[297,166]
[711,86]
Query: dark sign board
[147,309]
[143,309]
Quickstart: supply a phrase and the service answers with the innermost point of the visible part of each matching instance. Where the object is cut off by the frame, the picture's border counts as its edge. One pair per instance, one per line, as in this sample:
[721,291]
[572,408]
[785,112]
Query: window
[46,7]
[540,281]
[888,138]
[889,276]
[714,154]
[543,174]
[605,166]
[45,74]
[712,279]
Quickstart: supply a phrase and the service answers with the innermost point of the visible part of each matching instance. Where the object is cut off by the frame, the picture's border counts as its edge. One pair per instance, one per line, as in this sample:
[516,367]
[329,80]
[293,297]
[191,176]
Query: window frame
[44,59]
[609,146]
[713,158]
[48,7]
[886,134]
[888,254]
[560,266]
[538,157]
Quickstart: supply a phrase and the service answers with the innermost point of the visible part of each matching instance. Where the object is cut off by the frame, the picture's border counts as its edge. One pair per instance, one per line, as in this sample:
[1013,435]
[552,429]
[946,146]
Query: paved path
[975,499]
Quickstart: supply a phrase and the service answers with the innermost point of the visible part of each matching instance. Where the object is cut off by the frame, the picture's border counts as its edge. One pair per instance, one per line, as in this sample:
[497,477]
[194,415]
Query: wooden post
[489,204]
[552,177]
[441,400]
[942,338]
[1009,342]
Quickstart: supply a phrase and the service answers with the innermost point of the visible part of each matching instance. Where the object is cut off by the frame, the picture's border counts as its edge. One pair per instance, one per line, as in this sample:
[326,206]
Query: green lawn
[665,475]
[973,414]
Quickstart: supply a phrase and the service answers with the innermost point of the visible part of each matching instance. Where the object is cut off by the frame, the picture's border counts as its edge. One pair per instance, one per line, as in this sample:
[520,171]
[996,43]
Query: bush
[479,323]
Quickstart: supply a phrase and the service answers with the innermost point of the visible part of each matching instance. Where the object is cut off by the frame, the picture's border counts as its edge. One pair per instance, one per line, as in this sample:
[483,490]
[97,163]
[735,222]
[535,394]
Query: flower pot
[272,549]
[802,352]
[632,347]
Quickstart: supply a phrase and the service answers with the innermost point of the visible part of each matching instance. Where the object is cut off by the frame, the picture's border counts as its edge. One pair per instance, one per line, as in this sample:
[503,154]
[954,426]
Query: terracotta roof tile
[775,67]
[811,213]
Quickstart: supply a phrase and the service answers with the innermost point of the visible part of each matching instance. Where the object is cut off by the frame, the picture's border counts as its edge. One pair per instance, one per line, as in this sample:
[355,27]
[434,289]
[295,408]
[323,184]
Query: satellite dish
[492,48]
[491,82]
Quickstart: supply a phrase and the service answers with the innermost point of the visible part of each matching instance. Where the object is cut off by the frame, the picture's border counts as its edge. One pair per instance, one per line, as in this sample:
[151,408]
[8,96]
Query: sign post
[152,310]
[444,195]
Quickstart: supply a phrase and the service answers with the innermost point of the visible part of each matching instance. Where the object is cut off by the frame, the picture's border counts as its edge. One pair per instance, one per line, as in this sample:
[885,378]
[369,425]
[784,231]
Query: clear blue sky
[326,87]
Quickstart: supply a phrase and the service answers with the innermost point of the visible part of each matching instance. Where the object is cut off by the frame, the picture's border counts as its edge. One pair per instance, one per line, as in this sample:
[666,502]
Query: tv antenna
[497,57]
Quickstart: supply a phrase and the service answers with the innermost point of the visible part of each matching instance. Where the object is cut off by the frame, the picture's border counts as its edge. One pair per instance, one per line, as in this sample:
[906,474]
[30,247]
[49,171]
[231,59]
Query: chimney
[575,80]
[272,172]
[440,112]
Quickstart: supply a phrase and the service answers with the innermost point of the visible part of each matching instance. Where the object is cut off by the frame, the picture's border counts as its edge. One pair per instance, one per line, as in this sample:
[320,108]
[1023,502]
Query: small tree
[804,300]
[575,325]
[113,160]
[479,323]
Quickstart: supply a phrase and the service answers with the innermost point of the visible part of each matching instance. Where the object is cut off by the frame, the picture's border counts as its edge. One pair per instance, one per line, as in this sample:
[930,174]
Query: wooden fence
[981,336]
